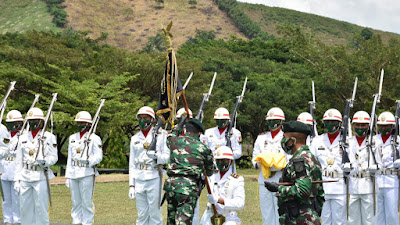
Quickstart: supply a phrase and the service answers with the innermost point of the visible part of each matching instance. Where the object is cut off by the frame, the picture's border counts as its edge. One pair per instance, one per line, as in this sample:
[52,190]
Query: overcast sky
[377,14]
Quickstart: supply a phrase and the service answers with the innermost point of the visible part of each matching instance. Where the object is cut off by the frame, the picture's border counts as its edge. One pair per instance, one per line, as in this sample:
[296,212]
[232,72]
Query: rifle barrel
[313,182]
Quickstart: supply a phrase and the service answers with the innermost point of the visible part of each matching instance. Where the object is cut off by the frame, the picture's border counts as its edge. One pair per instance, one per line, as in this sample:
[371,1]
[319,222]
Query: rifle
[313,182]
[228,132]
[187,81]
[92,130]
[312,108]
[370,138]
[41,139]
[4,101]
[206,97]
[344,145]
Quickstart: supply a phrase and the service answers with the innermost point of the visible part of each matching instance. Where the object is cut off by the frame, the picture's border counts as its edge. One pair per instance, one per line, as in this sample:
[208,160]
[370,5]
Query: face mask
[144,124]
[332,127]
[81,128]
[34,125]
[222,123]
[361,132]
[385,131]
[274,124]
[223,166]
[13,126]
[285,144]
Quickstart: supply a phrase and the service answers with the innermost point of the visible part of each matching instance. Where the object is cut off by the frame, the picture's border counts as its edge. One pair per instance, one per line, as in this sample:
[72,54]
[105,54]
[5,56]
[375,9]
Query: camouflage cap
[196,123]
[296,127]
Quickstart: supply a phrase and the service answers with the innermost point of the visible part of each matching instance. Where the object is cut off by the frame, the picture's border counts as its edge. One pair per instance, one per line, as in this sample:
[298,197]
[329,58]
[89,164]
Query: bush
[56,10]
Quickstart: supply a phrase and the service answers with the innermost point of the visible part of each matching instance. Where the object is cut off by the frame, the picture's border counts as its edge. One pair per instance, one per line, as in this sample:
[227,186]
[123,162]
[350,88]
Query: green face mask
[285,144]
[274,124]
[144,124]
[223,166]
[332,127]
[81,128]
[361,132]
[222,123]
[385,131]
[13,126]
[34,125]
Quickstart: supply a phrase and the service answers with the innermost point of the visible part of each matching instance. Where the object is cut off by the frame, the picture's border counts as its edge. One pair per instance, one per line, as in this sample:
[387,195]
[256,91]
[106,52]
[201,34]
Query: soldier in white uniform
[386,178]
[11,213]
[361,208]
[228,193]
[30,179]
[307,119]
[269,142]
[144,169]
[215,137]
[81,172]
[329,154]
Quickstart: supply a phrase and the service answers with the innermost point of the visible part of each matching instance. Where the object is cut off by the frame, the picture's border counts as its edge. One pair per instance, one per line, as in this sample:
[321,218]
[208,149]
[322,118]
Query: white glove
[67,183]
[152,154]
[17,186]
[396,164]
[132,193]
[346,167]
[41,162]
[373,169]
[212,199]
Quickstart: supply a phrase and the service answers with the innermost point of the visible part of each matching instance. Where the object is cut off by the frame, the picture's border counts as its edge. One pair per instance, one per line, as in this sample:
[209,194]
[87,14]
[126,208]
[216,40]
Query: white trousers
[10,203]
[196,216]
[147,202]
[34,203]
[269,206]
[361,209]
[82,211]
[334,210]
[387,207]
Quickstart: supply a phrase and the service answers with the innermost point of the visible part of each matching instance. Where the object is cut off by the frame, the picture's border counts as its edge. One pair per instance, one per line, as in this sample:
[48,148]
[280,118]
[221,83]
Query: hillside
[330,31]
[129,23]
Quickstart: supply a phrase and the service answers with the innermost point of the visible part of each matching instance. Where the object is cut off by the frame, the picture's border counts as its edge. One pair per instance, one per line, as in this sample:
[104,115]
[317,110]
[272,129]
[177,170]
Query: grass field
[114,207]
[23,15]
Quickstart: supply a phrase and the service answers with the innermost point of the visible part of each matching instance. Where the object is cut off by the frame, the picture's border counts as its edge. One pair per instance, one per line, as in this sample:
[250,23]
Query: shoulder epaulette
[235,175]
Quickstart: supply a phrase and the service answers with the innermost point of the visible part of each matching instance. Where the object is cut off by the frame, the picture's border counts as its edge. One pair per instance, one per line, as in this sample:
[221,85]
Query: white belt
[145,167]
[364,174]
[76,163]
[33,167]
[333,174]
[388,172]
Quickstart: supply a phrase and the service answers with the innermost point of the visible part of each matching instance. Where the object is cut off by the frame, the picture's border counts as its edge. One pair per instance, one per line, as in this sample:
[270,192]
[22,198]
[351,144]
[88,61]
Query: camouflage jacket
[189,158]
[302,169]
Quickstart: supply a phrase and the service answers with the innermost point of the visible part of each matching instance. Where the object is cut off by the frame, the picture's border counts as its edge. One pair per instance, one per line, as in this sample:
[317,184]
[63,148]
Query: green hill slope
[23,15]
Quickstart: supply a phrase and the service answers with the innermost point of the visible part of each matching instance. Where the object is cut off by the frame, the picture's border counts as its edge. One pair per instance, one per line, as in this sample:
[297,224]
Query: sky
[376,14]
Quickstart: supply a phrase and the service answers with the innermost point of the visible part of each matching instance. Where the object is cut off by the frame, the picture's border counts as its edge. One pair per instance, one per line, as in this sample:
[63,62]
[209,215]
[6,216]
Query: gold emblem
[78,116]
[31,152]
[331,161]
[357,156]
[361,118]
[78,150]
[6,141]
[146,145]
[383,118]
[330,114]
[217,147]
[303,119]
[10,116]
[218,153]
[30,113]
[271,114]
[219,114]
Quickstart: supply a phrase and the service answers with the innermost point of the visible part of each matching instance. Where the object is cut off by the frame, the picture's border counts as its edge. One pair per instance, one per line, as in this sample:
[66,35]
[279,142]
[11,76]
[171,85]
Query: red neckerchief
[275,132]
[333,136]
[360,140]
[385,137]
[82,133]
[222,173]
[34,132]
[221,130]
[13,133]
[145,132]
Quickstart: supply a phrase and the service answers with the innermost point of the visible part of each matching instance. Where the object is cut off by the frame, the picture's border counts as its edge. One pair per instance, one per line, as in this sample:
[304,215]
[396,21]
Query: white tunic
[76,144]
[28,144]
[4,143]
[214,139]
[142,167]
[384,157]
[265,143]
[10,161]
[330,157]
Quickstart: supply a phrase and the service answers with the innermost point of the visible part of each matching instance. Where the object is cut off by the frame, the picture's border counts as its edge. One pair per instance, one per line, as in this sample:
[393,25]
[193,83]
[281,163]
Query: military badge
[31,152]
[10,116]
[30,113]
[78,116]
[218,153]
[6,141]
[331,161]
[78,150]
[357,156]
[383,118]
[330,114]
[146,145]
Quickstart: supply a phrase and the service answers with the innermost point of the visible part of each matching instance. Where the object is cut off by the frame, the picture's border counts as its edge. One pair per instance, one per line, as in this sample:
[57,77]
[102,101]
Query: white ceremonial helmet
[332,114]
[275,113]
[305,118]
[223,152]
[181,111]
[386,118]
[361,117]
[146,110]
[14,116]
[221,114]
[83,116]
[35,113]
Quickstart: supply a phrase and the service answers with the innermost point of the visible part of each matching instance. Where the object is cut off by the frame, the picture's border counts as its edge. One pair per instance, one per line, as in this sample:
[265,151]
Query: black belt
[195,177]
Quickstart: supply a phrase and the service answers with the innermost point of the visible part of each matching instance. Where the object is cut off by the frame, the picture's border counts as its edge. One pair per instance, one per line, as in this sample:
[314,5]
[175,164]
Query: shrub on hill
[57,10]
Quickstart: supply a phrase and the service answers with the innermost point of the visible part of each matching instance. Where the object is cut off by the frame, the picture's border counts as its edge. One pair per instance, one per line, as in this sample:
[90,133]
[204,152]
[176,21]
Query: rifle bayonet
[187,81]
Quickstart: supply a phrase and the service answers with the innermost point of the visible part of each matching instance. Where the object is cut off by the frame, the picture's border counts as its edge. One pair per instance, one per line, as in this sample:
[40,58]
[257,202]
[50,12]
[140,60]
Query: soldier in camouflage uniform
[301,202]
[189,158]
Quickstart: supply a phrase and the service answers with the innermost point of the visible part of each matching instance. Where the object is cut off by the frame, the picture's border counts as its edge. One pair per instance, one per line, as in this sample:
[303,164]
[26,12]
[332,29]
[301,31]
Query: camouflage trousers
[180,208]
[306,217]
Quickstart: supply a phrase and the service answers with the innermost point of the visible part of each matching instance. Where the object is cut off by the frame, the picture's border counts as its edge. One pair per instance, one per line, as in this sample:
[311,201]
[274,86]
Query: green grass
[114,207]
[23,15]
